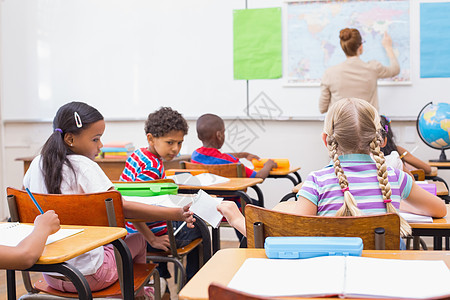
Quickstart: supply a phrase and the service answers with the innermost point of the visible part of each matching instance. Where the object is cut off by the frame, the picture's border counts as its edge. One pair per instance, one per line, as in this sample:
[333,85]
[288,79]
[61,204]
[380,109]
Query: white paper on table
[205,207]
[13,233]
[414,218]
[163,200]
[204,179]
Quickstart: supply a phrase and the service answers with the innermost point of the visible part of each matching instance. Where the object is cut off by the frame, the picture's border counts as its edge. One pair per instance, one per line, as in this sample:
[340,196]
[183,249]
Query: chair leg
[27,283]
[156,284]
[423,244]
[408,242]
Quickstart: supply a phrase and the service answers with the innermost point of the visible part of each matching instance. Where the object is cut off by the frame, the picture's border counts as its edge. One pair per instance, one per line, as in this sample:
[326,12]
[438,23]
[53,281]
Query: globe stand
[442,157]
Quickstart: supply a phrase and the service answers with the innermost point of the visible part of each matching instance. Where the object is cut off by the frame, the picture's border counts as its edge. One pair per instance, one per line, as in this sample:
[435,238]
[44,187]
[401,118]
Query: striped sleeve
[249,173]
[148,174]
[309,189]
[404,183]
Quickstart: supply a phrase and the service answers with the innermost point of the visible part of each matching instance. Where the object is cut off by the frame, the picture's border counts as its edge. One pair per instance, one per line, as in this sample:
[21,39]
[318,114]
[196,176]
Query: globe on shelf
[433,126]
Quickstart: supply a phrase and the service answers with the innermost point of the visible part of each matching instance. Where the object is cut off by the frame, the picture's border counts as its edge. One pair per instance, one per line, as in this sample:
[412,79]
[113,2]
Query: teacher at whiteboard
[354,77]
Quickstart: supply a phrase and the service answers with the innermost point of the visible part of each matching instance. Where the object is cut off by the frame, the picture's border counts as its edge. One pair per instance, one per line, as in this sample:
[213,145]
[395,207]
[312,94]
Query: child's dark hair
[165,120]
[73,117]
[386,132]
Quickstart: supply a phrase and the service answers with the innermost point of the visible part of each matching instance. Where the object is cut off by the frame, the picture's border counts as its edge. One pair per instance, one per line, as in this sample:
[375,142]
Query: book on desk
[343,276]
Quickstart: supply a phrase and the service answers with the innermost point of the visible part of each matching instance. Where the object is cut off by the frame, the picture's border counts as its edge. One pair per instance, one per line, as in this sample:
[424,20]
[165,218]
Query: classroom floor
[34,276]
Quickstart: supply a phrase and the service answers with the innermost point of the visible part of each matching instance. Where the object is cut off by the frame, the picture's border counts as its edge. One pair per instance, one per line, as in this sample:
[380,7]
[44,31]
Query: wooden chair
[225,170]
[261,223]
[176,255]
[220,292]
[97,209]
[418,174]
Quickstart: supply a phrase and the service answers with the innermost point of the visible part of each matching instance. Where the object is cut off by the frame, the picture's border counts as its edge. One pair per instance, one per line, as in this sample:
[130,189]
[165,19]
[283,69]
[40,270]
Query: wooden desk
[440,164]
[433,173]
[441,189]
[113,167]
[225,263]
[438,229]
[235,187]
[54,256]
[287,174]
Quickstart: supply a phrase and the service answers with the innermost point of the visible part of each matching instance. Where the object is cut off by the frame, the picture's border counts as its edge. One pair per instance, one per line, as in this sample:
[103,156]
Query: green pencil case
[146,189]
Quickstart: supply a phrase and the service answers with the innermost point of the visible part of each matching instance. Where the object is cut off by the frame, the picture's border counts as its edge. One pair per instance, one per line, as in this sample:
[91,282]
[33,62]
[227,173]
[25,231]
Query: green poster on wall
[257,43]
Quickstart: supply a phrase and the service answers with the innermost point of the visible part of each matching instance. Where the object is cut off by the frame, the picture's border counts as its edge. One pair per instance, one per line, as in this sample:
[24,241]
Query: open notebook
[204,179]
[343,276]
[11,234]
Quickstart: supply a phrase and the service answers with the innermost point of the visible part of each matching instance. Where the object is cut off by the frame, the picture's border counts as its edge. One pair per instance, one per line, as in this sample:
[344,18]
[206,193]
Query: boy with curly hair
[165,130]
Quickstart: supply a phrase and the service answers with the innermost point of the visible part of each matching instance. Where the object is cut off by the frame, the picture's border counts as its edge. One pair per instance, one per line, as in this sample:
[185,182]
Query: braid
[349,208]
[385,187]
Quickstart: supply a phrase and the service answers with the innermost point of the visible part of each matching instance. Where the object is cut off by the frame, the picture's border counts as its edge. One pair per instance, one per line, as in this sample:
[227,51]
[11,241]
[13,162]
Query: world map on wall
[313,35]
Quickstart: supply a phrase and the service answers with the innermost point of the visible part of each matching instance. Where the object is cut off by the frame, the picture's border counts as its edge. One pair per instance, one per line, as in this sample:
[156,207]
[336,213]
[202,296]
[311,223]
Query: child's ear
[324,139]
[219,135]
[68,139]
[150,139]
[383,144]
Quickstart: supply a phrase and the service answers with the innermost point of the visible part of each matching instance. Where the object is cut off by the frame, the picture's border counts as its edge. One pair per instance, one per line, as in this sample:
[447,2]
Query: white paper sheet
[204,179]
[205,207]
[11,234]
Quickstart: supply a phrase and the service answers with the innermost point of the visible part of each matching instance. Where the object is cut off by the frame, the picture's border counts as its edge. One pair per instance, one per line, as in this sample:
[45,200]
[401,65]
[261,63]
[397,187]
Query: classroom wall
[148,52]
[299,141]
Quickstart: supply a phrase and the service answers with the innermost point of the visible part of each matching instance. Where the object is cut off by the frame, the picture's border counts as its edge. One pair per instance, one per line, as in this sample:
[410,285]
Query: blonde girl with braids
[357,180]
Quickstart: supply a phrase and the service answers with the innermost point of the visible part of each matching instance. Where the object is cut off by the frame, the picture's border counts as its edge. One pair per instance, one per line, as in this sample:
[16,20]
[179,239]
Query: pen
[179,228]
[34,200]
[403,155]
[406,152]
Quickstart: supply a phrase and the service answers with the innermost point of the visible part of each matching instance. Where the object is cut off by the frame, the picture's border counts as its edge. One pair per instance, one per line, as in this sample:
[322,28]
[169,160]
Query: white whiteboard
[124,57]
[129,57]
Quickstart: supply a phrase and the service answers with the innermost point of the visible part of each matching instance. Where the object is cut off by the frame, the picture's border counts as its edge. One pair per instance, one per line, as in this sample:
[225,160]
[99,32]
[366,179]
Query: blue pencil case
[312,246]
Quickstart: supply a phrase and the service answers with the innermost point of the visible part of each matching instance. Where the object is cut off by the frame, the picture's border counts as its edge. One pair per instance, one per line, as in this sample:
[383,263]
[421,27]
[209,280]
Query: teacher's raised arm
[354,77]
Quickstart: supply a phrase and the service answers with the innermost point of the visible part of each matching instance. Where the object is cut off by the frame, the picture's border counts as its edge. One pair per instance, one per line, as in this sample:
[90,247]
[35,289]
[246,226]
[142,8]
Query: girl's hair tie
[58,129]
[386,128]
[345,189]
[387,200]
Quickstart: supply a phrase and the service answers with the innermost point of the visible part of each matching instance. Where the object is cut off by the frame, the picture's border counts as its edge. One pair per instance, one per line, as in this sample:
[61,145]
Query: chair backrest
[72,209]
[283,224]
[220,292]
[225,170]
[418,174]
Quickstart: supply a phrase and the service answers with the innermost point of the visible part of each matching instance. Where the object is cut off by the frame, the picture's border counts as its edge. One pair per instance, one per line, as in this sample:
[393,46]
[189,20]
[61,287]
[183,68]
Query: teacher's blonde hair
[353,125]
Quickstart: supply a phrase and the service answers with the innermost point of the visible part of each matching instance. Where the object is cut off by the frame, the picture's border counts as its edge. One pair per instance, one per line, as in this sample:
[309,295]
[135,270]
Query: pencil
[179,228]
[34,200]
